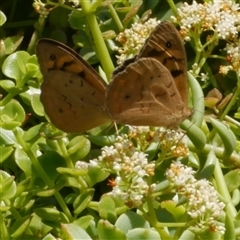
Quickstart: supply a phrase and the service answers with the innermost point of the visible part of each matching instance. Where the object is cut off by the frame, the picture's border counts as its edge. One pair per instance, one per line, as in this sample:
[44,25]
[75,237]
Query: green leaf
[14,65]
[84,221]
[50,161]
[107,209]
[72,232]
[141,233]
[14,112]
[7,186]
[131,220]
[32,98]
[23,161]
[102,140]
[79,147]
[228,138]
[5,152]
[13,42]
[7,85]
[108,231]
[187,234]
[49,214]
[95,176]
[49,237]
[208,167]
[232,179]
[72,172]
[195,134]
[177,211]
[37,226]
[32,133]
[7,137]
[76,20]
[60,23]
[82,201]
[20,227]
[197,100]
[3,18]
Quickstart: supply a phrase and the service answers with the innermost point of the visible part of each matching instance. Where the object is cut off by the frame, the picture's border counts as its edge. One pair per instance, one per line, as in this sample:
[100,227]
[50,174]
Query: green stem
[4,232]
[228,119]
[68,160]
[232,101]
[217,57]
[60,5]
[222,189]
[227,109]
[7,99]
[101,49]
[218,151]
[13,10]
[214,38]
[115,17]
[170,224]
[210,75]
[173,7]
[65,153]
[26,23]
[42,173]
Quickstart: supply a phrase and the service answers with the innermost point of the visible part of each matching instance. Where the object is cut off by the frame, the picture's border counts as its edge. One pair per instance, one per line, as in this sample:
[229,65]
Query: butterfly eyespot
[168,44]
[82,74]
[52,57]
[127,96]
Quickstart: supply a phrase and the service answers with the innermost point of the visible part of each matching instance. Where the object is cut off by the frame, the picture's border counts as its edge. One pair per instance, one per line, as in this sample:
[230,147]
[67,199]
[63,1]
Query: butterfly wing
[166,45]
[72,93]
[144,93]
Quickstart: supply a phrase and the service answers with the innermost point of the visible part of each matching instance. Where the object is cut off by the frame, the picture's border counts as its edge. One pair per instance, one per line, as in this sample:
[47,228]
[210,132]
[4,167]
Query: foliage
[56,185]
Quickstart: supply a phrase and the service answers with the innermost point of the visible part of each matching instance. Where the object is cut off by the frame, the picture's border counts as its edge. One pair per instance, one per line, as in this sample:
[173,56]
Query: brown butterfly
[72,93]
[150,89]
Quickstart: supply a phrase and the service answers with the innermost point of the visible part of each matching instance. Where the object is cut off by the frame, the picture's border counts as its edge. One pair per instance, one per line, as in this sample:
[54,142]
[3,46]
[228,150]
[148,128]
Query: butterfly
[148,90]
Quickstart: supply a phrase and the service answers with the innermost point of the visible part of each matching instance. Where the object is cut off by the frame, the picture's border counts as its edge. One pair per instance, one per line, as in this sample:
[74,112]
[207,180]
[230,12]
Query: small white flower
[133,39]
[203,203]
[131,167]
[81,165]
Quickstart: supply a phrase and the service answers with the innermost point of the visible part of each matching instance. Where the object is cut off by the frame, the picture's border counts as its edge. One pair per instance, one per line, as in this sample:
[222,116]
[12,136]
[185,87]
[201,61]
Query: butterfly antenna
[116,128]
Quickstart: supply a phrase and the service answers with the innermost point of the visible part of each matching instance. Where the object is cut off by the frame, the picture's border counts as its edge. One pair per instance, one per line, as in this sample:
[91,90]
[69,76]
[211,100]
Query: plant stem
[222,189]
[42,173]
[173,7]
[115,17]
[232,101]
[101,49]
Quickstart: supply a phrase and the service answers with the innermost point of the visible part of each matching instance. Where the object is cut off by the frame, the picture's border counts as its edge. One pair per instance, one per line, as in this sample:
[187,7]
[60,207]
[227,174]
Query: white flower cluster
[203,204]
[41,9]
[131,167]
[233,51]
[171,142]
[75,2]
[221,17]
[133,39]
